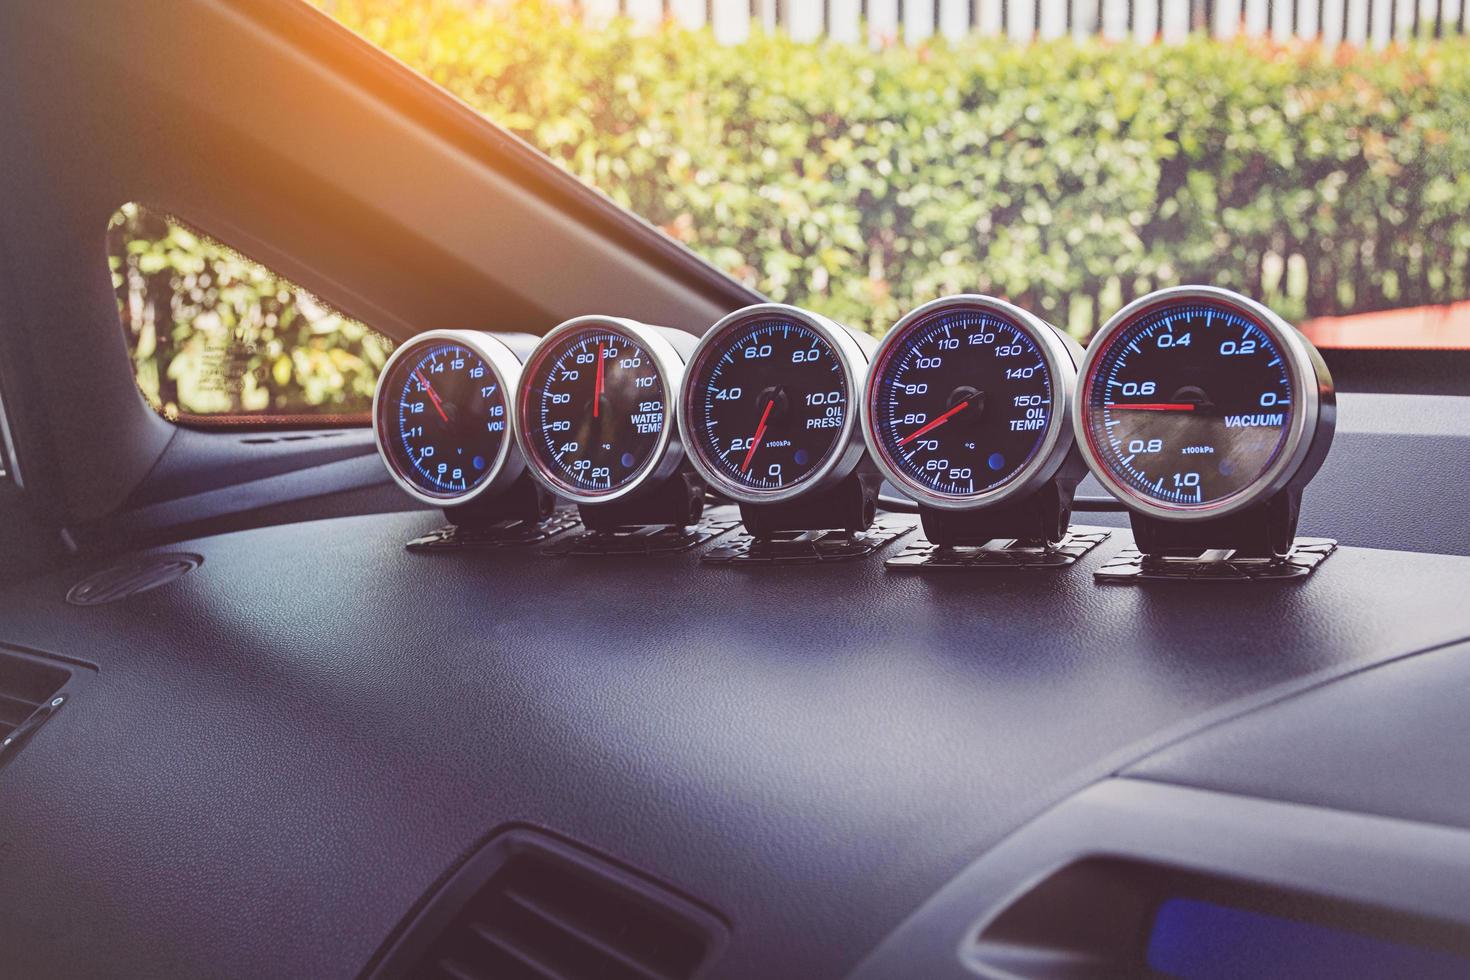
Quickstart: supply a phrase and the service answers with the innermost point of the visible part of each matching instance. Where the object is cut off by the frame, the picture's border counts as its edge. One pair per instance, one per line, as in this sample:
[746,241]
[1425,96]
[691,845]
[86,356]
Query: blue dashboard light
[1195,940]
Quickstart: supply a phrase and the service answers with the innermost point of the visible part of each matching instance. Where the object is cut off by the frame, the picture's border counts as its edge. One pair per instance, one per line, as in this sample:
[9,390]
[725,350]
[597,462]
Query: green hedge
[215,334]
[1066,176]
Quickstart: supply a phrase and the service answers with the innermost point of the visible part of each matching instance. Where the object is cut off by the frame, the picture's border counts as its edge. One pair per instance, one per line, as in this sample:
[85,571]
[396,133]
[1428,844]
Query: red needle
[1154,406]
[936,423]
[755,440]
[438,405]
[597,391]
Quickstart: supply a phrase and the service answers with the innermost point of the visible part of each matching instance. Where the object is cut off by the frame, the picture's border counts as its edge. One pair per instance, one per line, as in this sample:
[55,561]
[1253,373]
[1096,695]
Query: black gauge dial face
[961,402]
[768,404]
[442,419]
[593,407]
[1189,404]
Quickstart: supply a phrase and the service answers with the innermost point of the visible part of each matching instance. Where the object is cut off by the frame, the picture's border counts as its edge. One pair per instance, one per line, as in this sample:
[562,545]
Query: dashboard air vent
[30,690]
[549,910]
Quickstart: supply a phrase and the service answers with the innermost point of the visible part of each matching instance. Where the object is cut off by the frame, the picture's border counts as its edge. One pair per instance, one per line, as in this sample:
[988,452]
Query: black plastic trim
[76,675]
[1323,858]
[396,84]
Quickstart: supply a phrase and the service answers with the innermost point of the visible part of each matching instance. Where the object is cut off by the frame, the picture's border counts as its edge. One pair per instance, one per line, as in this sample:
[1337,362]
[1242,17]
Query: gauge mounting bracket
[848,505]
[674,501]
[1041,518]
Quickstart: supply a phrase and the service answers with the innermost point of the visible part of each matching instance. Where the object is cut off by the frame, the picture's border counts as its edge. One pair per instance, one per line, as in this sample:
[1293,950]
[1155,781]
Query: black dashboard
[265,775]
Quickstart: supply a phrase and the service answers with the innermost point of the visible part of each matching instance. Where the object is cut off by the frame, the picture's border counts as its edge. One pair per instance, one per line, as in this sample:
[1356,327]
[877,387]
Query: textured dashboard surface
[1392,741]
[284,749]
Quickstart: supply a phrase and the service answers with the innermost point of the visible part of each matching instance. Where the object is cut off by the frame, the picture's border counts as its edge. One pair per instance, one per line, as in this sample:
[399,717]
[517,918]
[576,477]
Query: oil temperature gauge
[967,402]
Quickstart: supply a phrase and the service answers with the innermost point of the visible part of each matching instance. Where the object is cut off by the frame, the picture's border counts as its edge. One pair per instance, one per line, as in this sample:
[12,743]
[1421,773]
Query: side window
[217,339]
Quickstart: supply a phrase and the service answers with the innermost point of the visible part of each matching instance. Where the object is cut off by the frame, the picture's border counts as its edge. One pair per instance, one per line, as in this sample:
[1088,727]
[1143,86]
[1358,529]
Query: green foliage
[1067,176]
[212,333]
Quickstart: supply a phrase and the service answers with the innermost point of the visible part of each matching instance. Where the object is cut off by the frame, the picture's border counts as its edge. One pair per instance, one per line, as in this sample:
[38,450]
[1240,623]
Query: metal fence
[1373,23]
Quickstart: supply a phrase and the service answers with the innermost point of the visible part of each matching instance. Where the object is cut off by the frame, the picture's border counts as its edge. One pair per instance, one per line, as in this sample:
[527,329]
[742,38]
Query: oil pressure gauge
[768,407]
[1206,414]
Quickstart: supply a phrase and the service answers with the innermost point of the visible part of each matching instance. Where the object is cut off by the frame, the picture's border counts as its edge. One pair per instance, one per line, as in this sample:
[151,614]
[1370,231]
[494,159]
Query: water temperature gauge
[593,414]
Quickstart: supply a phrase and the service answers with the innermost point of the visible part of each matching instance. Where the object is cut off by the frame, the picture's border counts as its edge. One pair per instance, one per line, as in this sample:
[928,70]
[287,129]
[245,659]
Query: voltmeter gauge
[592,417]
[441,416]
[966,405]
[768,405]
[1197,403]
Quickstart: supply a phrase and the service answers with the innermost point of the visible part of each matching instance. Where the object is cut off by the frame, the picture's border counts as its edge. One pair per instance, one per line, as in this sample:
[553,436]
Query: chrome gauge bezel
[506,367]
[1061,355]
[668,450]
[1311,390]
[852,351]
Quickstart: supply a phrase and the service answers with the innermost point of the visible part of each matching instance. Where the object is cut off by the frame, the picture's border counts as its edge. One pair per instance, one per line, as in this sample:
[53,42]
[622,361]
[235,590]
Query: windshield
[1065,155]
[861,172]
